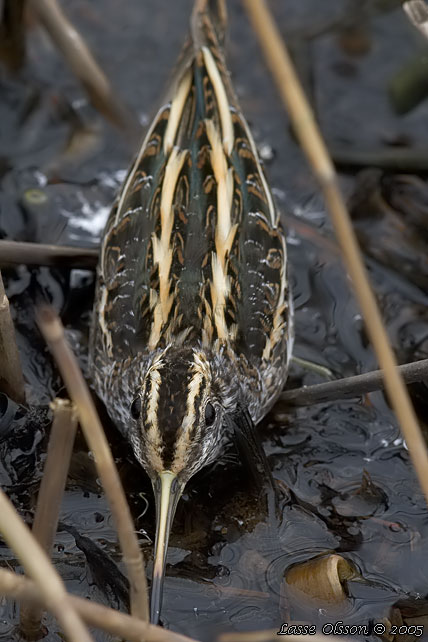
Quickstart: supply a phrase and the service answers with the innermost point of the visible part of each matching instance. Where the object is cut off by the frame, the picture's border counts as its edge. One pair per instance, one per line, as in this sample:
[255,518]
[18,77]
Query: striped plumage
[192,319]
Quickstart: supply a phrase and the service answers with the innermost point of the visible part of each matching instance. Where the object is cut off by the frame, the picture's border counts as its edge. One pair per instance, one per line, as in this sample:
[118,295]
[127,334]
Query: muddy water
[225,564]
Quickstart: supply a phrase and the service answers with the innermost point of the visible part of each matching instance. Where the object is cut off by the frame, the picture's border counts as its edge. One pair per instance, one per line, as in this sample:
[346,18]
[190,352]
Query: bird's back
[193,252]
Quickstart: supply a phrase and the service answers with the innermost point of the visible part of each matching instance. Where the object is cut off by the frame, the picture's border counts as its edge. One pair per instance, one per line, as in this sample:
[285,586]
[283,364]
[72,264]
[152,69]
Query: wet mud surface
[60,166]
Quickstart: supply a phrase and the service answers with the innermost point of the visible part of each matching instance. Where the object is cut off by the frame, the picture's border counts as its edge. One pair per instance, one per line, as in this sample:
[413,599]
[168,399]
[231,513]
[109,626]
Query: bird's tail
[209,23]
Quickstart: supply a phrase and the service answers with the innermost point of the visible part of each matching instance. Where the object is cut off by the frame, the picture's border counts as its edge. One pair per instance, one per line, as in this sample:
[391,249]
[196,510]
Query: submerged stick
[37,565]
[53,332]
[62,256]
[11,377]
[96,615]
[52,487]
[82,63]
[352,386]
[304,125]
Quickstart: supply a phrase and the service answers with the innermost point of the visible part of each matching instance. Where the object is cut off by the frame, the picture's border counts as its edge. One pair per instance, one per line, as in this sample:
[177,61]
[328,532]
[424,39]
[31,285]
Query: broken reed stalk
[12,33]
[310,139]
[417,12]
[82,63]
[52,487]
[11,377]
[95,615]
[37,565]
[352,386]
[16,253]
[53,332]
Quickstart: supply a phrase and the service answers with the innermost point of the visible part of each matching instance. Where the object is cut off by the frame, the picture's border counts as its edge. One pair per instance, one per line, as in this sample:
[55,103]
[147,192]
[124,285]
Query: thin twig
[352,386]
[11,377]
[16,253]
[95,615]
[37,565]
[311,141]
[53,332]
[417,12]
[400,159]
[82,63]
[52,487]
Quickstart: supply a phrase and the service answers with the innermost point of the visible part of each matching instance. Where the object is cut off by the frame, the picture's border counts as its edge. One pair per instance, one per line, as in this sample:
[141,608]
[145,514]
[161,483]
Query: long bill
[167,490]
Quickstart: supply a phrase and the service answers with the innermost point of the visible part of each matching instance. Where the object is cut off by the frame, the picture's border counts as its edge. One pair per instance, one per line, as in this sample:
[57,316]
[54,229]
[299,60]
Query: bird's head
[178,413]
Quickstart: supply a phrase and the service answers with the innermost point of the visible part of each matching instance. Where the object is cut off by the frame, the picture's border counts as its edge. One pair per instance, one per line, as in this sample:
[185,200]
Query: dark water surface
[225,565]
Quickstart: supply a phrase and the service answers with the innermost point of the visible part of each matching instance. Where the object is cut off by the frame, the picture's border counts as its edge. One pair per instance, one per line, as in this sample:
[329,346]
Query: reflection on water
[343,472]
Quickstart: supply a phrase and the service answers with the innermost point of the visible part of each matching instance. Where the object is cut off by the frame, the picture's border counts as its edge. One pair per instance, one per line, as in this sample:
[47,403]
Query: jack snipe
[192,328]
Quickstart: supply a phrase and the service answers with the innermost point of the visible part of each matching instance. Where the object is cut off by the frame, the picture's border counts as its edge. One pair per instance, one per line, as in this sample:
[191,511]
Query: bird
[192,329]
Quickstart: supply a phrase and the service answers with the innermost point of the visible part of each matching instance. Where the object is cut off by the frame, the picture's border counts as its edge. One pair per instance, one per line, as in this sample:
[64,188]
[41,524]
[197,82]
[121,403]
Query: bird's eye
[136,408]
[209,414]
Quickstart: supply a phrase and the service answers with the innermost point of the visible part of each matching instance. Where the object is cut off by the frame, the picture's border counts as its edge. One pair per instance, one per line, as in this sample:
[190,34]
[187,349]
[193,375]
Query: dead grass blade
[53,332]
[52,487]
[96,615]
[37,565]
[82,63]
[304,124]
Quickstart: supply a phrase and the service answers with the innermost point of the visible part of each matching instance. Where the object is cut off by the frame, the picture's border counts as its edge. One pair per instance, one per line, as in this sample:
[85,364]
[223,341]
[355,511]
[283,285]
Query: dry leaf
[322,578]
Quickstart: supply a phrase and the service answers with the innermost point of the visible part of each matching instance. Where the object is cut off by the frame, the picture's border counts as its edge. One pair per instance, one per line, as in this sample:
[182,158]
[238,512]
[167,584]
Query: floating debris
[323,579]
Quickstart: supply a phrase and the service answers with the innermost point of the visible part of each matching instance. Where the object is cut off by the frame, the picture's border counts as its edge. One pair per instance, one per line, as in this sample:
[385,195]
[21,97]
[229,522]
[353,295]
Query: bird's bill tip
[167,490]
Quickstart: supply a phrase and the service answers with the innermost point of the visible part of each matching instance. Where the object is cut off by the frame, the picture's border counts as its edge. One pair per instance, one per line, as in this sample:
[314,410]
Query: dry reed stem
[311,141]
[11,377]
[16,253]
[352,386]
[37,565]
[52,487]
[53,332]
[96,615]
[82,63]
